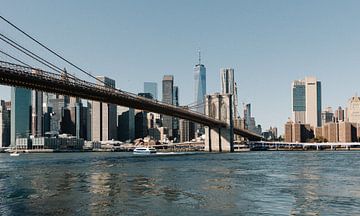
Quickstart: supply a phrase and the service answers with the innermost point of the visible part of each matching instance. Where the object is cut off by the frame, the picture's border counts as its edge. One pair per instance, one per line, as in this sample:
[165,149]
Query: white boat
[14,154]
[144,150]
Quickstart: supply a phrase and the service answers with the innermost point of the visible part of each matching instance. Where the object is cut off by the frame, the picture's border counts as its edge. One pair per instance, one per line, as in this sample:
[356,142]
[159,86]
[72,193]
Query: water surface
[253,183]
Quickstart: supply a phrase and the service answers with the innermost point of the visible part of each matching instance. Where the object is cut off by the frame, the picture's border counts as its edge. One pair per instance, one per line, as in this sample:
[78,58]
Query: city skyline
[294,47]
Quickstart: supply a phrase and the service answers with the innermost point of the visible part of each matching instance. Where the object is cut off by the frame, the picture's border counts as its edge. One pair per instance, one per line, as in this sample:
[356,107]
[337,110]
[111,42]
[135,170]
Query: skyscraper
[37,126]
[313,101]
[20,113]
[104,116]
[354,109]
[228,86]
[4,125]
[306,101]
[200,85]
[247,115]
[176,120]
[151,87]
[168,97]
[298,101]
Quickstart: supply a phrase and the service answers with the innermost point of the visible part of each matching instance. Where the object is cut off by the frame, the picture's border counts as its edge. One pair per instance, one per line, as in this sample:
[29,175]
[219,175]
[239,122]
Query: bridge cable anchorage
[53,52]
[16,59]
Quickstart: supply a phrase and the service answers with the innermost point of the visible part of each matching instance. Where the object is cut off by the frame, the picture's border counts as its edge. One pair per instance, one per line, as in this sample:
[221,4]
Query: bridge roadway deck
[20,76]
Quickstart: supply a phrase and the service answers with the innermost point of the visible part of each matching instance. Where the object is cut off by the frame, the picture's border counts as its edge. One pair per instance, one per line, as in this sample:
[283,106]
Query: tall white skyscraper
[306,101]
[200,85]
[229,86]
[313,101]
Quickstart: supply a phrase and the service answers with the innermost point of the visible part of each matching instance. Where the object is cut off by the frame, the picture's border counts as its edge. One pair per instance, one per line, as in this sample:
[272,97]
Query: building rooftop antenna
[199,57]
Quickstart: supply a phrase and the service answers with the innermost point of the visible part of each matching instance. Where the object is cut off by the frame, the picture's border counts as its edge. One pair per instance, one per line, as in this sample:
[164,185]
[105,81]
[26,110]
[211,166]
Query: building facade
[354,109]
[298,101]
[168,97]
[104,116]
[306,101]
[200,86]
[20,113]
[229,86]
[4,125]
[313,102]
[151,87]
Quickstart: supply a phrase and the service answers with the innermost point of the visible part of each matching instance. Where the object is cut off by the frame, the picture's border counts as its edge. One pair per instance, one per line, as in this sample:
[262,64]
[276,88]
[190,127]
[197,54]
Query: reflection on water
[273,183]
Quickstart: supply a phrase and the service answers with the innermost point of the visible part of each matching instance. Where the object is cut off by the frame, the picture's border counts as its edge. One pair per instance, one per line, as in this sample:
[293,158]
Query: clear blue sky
[268,42]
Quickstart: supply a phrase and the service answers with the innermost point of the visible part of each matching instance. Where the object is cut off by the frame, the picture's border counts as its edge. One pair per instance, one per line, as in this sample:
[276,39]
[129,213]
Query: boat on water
[14,154]
[144,150]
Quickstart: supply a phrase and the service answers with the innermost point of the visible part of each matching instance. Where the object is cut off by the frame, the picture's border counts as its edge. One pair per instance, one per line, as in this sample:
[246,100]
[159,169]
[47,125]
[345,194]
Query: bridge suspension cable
[29,53]
[53,52]
[16,59]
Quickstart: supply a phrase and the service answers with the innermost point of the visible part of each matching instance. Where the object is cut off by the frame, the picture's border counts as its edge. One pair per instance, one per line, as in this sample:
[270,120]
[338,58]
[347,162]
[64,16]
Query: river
[251,183]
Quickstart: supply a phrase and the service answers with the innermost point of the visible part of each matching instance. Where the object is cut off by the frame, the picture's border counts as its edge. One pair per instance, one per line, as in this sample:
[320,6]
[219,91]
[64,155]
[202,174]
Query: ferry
[144,150]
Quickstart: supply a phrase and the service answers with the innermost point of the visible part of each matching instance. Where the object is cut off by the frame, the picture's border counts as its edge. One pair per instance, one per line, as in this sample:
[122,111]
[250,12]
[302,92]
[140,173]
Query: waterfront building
[306,101]
[353,109]
[126,123]
[104,115]
[4,125]
[20,113]
[200,85]
[151,87]
[296,132]
[228,86]
[168,97]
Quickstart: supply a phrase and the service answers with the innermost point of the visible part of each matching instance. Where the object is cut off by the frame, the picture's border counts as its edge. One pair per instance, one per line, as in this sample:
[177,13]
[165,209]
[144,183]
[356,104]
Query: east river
[252,183]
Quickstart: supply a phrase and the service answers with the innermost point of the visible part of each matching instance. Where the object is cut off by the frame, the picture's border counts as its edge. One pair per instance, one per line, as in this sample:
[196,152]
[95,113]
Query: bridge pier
[219,139]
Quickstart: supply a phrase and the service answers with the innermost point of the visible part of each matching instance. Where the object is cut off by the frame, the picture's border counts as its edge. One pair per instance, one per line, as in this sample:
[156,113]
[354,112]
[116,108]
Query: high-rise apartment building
[104,116]
[20,113]
[306,101]
[168,97]
[151,87]
[200,85]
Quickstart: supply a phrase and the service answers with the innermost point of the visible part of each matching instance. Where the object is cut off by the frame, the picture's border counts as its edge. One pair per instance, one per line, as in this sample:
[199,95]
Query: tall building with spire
[200,85]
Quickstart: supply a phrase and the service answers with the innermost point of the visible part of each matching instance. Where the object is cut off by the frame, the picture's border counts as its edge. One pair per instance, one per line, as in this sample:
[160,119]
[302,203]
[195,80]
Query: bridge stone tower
[221,139]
